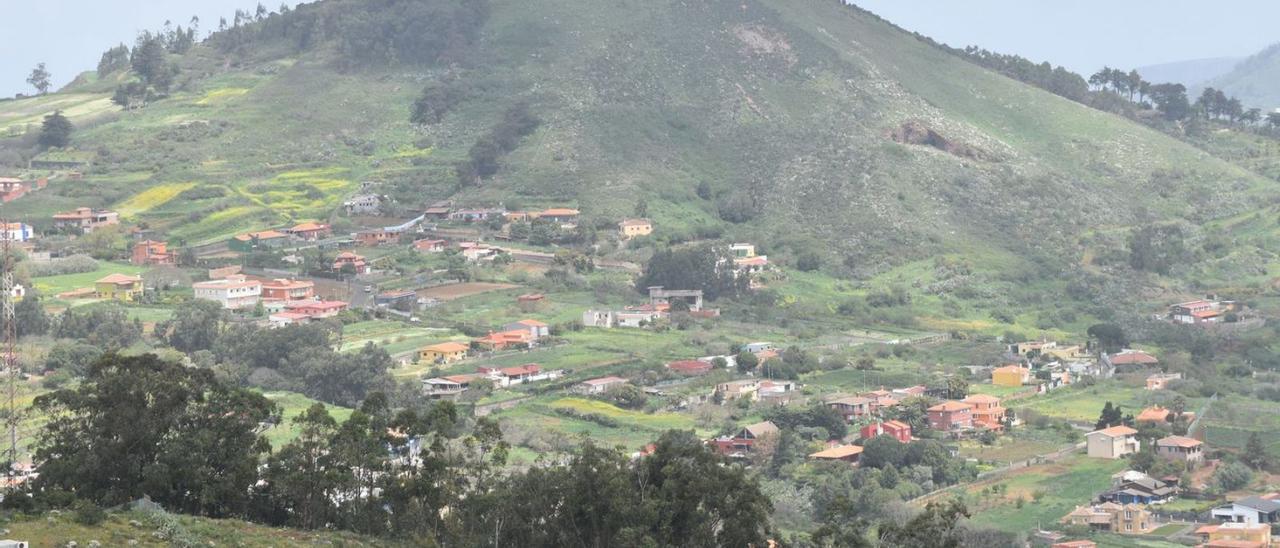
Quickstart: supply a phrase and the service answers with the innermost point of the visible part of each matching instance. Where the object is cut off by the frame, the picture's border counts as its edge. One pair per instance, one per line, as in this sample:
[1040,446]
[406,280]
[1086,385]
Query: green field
[1061,487]
[291,406]
[52,285]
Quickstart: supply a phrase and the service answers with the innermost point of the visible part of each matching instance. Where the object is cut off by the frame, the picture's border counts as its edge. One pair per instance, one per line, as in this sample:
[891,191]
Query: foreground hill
[811,124]
[1255,80]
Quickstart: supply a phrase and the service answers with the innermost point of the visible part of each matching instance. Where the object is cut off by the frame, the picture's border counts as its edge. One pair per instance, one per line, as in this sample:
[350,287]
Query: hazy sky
[69,35]
[1084,35]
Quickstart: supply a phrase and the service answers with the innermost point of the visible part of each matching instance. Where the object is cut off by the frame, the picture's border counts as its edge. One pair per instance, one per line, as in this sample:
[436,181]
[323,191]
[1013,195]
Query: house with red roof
[535,328]
[149,252]
[987,412]
[252,240]
[1197,312]
[282,289]
[347,258]
[504,340]
[841,453]
[851,407]
[899,430]
[507,376]
[1112,443]
[562,215]
[1130,359]
[429,246]
[309,231]
[374,238]
[316,309]
[741,443]
[950,416]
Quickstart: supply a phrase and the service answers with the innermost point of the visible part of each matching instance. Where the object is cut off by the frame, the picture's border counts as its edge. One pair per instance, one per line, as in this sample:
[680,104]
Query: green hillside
[856,138]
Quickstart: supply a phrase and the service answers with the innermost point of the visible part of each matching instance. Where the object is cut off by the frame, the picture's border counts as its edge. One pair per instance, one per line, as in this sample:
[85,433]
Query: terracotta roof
[840,452]
[281,283]
[322,305]
[309,227]
[532,323]
[1116,431]
[1206,313]
[981,398]
[447,347]
[1153,414]
[896,424]
[264,235]
[527,369]
[1179,441]
[560,212]
[1125,357]
[949,406]
[119,279]
[635,222]
[850,400]
[689,366]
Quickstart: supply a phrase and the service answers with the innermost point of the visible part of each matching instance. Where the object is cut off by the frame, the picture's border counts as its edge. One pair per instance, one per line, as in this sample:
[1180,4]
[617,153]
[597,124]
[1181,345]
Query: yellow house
[122,287]
[1236,534]
[632,228]
[1010,375]
[448,352]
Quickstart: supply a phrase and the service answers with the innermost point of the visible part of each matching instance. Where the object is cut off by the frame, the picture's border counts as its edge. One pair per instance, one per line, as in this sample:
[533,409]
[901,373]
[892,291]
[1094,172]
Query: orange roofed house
[149,252]
[1112,443]
[843,453]
[1235,535]
[562,215]
[950,416]
[446,352]
[309,231]
[281,289]
[86,219]
[899,430]
[987,412]
[252,240]
[121,287]
[505,339]
[347,258]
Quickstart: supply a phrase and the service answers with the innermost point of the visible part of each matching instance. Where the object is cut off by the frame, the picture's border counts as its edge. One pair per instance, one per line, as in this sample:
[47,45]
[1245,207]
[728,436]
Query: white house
[363,204]
[1112,443]
[600,385]
[234,292]
[19,232]
[1263,509]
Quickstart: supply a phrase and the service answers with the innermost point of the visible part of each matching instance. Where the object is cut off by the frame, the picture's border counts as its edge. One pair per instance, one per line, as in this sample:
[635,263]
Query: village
[449,294]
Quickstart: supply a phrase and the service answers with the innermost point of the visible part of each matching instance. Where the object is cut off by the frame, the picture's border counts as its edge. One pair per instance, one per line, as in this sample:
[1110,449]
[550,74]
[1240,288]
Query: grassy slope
[139,529]
[789,100]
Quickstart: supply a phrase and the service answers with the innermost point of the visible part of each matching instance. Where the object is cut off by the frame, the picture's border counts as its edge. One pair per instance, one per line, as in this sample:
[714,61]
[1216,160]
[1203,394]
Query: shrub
[88,513]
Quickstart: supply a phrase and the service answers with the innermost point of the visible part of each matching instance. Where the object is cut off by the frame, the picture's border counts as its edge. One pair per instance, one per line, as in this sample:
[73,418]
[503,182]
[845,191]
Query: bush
[88,513]
[75,264]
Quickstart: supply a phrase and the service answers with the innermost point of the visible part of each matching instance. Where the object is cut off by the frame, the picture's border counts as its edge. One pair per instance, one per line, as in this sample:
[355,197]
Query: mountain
[1255,80]
[1190,73]
[807,124]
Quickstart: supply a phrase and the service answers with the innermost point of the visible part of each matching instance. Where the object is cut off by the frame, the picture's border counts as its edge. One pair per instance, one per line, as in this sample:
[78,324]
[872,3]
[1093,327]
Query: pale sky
[70,35]
[1085,35]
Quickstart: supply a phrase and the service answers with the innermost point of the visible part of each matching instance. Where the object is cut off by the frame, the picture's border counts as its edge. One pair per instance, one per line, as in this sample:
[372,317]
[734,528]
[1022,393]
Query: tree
[957,388]
[936,527]
[195,326]
[1255,453]
[1111,416]
[1144,459]
[699,267]
[29,317]
[113,60]
[1232,476]
[747,362]
[1109,337]
[56,130]
[306,477]
[39,79]
[143,426]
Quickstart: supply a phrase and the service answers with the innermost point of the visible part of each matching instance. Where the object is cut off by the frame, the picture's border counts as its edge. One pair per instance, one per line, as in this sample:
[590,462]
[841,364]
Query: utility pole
[10,340]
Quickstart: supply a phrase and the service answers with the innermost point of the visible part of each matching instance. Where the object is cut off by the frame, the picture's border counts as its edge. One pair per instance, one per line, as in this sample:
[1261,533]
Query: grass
[1083,404]
[1060,486]
[52,285]
[142,529]
[292,405]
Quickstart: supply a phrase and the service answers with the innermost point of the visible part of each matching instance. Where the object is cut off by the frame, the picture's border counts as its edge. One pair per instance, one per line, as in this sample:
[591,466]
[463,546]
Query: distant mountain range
[1190,73]
[1255,80]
